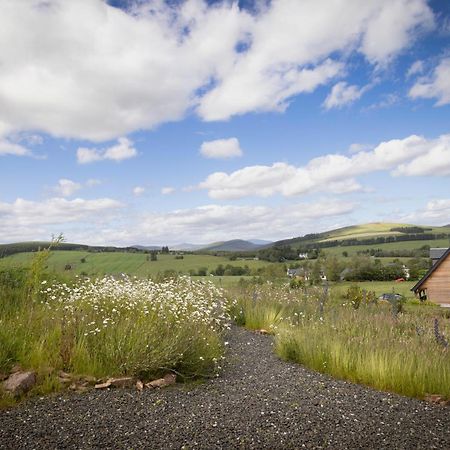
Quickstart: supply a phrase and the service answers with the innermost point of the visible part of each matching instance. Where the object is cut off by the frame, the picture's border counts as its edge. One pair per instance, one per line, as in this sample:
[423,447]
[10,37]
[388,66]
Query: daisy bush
[124,326]
[139,327]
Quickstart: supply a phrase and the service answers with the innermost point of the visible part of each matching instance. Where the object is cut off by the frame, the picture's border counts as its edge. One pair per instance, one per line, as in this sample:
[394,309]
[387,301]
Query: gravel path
[260,402]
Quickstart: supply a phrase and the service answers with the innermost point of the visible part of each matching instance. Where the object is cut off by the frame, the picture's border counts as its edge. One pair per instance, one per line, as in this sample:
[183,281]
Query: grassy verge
[110,327]
[370,344]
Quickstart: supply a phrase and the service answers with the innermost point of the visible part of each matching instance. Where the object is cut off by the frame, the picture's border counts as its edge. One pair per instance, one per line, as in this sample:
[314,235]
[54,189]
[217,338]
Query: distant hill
[147,247]
[367,234]
[260,242]
[186,247]
[33,246]
[235,245]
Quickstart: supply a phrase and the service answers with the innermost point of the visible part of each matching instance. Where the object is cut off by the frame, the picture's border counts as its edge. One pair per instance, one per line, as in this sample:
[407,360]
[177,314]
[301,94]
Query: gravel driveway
[260,402]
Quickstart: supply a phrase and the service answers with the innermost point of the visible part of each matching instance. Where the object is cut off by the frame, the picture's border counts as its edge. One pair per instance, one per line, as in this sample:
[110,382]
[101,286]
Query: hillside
[33,246]
[235,245]
[369,234]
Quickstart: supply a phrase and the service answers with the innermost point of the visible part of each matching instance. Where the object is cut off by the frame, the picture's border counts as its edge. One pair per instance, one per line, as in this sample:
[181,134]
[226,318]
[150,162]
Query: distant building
[298,273]
[435,285]
[293,272]
[436,254]
[344,273]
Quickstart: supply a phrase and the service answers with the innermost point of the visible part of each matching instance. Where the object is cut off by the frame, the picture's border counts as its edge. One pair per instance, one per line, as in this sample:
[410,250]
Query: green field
[114,263]
[380,287]
[379,229]
[405,245]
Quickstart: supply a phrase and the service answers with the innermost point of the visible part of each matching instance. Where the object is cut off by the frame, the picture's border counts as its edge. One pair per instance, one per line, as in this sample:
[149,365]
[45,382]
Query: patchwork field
[114,263]
[406,245]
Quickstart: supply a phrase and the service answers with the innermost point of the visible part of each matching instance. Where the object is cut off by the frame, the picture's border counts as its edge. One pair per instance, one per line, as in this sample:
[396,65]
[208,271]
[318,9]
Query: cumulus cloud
[209,222]
[242,93]
[221,148]
[78,218]
[436,86]
[343,94]
[33,219]
[435,161]
[138,190]
[357,147]
[435,212]
[122,150]
[167,190]
[334,173]
[10,148]
[106,221]
[66,187]
[158,60]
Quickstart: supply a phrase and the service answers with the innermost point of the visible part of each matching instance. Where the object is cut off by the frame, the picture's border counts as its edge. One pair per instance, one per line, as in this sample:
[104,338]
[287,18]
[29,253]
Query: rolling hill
[373,234]
[234,245]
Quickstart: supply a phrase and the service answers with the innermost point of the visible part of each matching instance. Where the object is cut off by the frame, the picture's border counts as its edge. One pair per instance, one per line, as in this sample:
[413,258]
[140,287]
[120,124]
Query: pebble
[258,402]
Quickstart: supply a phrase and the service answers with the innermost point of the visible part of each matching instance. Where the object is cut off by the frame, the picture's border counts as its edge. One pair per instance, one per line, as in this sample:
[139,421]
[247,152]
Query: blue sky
[159,122]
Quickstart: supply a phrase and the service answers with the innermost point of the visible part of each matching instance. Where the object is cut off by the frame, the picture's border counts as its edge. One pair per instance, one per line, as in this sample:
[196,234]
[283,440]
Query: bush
[111,327]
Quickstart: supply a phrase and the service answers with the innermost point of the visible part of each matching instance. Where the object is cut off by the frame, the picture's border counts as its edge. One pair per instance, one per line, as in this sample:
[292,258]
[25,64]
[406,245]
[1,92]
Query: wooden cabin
[435,285]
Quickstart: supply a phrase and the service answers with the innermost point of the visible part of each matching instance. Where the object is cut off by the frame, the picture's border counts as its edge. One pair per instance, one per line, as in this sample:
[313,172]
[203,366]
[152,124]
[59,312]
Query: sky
[162,122]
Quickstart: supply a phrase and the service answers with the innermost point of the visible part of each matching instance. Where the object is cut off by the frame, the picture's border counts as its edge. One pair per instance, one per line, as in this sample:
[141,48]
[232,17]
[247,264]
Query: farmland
[137,264]
[407,245]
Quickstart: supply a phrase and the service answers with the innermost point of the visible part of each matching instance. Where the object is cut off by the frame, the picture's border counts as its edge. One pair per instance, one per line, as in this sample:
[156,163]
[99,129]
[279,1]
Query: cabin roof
[430,272]
[437,253]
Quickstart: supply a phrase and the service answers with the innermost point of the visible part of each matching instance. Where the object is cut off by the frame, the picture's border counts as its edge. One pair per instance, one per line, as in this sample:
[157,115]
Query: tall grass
[369,345]
[111,326]
[263,307]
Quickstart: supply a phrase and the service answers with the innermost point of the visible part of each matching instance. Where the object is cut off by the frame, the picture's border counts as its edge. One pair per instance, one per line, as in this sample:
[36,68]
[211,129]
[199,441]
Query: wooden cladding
[438,283]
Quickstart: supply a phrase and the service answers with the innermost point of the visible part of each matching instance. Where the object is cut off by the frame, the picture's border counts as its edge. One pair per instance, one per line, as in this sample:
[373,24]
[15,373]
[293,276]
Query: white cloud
[106,221]
[343,94]
[33,217]
[333,172]
[78,219]
[71,73]
[122,150]
[291,43]
[66,187]
[266,90]
[387,100]
[435,86]
[356,147]
[207,223]
[221,148]
[415,68]
[10,148]
[138,190]
[436,212]
[167,190]
[435,161]
[393,26]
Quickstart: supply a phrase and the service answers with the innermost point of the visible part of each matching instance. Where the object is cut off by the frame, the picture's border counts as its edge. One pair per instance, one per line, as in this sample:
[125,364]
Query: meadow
[399,347]
[116,263]
[108,326]
[406,245]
